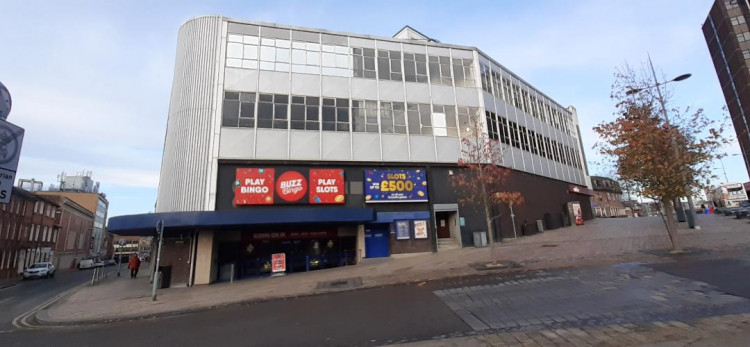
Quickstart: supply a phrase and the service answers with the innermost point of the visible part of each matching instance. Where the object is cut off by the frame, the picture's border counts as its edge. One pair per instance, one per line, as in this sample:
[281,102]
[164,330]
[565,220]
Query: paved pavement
[648,306]
[599,241]
[25,295]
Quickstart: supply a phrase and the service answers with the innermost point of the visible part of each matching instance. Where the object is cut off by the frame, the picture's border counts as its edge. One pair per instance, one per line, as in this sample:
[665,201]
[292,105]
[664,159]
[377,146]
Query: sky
[91,80]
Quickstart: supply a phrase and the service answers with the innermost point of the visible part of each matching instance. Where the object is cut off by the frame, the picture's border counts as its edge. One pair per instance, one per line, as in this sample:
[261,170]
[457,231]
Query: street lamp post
[726,179]
[678,205]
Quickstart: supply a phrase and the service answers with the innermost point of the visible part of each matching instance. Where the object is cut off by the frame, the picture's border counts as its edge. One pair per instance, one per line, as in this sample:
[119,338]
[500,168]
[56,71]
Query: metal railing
[102,273]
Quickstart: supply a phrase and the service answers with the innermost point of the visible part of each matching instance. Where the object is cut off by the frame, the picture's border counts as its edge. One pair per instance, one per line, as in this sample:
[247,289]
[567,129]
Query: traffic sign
[5,102]
[11,138]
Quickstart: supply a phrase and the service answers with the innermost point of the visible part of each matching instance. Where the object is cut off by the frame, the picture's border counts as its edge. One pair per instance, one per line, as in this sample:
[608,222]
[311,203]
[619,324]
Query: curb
[9,285]
[42,319]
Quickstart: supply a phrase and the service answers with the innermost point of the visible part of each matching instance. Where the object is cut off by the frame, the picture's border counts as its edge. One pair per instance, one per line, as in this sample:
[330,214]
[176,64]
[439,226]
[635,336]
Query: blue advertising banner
[395,185]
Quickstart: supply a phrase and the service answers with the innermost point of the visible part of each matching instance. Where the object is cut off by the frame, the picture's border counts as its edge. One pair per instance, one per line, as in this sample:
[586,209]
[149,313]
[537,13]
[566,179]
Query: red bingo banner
[267,186]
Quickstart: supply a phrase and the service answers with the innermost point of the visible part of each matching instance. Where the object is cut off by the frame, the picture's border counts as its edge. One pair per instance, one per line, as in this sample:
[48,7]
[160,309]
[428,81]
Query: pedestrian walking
[133,265]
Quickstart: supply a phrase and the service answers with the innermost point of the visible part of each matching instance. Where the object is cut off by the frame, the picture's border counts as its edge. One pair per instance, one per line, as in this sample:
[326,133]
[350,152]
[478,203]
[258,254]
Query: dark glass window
[238,110]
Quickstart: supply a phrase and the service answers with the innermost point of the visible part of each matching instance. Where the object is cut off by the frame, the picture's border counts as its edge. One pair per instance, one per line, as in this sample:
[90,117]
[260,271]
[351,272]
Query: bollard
[231,275]
[307,263]
[93,277]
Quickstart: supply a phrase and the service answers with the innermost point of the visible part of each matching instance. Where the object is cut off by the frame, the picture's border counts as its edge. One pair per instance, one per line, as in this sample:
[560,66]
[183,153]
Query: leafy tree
[480,180]
[666,160]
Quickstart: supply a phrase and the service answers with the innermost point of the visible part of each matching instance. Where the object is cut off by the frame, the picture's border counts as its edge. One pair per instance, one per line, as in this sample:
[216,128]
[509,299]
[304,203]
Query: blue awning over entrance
[145,224]
[389,217]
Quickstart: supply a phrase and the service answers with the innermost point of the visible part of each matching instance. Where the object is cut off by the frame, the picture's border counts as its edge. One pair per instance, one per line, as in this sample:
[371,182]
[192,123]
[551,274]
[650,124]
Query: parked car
[41,270]
[98,263]
[110,262]
[86,264]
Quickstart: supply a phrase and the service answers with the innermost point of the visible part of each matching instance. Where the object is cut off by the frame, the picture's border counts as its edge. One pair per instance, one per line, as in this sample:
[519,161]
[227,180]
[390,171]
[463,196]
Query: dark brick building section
[28,232]
[728,39]
[74,240]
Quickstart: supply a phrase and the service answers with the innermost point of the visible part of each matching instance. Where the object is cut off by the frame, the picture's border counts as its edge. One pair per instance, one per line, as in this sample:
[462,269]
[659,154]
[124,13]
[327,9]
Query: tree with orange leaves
[480,181]
[667,160]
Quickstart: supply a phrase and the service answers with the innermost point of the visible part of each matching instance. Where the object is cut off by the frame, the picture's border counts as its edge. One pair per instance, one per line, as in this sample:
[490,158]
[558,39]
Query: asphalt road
[26,295]
[356,318]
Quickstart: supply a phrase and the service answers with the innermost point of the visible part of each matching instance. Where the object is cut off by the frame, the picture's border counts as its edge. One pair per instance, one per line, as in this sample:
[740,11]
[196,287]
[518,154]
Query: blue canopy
[145,224]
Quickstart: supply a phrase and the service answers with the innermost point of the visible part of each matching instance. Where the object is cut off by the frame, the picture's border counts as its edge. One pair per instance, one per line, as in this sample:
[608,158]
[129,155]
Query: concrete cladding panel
[422,148]
[304,145]
[416,92]
[448,149]
[366,147]
[336,146]
[303,84]
[365,89]
[236,143]
[467,96]
[391,91]
[243,80]
[274,82]
[183,182]
[395,147]
[272,144]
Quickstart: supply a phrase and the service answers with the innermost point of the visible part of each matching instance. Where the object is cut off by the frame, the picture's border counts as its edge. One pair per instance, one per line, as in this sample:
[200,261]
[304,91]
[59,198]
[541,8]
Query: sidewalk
[599,241]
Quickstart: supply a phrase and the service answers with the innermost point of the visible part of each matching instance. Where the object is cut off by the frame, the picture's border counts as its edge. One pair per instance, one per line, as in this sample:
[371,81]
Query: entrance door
[376,241]
[443,224]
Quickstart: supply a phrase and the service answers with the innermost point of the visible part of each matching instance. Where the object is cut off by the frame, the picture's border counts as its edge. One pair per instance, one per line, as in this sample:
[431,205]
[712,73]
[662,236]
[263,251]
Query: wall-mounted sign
[396,185]
[420,229]
[267,186]
[326,186]
[402,230]
[254,187]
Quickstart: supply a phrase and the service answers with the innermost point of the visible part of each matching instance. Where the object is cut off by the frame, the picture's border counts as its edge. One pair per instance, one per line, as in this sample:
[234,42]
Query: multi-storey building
[728,37]
[97,204]
[74,239]
[330,147]
[28,232]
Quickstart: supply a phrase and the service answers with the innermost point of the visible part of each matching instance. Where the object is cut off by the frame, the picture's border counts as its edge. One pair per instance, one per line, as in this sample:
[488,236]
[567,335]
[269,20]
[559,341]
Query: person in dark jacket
[134,264]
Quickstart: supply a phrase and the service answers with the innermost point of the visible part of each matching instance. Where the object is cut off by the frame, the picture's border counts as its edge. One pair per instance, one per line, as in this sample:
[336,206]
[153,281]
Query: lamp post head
[681,77]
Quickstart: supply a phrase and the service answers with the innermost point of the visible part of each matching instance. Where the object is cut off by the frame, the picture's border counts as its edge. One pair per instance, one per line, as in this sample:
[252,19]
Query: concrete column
[204,258]
[360,242]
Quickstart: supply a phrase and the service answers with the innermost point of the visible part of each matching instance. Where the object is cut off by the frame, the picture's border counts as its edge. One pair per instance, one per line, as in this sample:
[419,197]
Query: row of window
[511,93]
[9,258]
[40,207]
[277,111]
[513,134]
[13,232]
[737,20]
[273,54]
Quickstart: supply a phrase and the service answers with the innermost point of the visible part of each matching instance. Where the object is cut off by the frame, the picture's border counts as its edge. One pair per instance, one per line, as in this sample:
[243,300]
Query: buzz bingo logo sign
[269,186]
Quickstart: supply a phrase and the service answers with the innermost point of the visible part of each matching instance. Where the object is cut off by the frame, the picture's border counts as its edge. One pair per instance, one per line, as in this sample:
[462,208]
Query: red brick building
[74,240]
[607,202]
[27,232]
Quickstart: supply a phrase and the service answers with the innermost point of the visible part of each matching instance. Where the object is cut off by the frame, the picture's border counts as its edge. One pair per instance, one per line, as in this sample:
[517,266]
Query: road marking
[6,299]
[6,331]
[22,322]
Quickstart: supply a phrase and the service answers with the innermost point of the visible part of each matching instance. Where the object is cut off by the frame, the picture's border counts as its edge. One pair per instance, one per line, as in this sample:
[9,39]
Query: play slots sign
[268,186]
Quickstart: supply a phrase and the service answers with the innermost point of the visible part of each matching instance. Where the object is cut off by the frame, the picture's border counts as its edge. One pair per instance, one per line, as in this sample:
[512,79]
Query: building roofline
[383,38]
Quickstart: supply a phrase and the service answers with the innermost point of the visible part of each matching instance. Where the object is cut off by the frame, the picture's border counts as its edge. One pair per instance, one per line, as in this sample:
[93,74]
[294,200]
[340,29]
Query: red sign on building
[254,187]
[327,186]
[291,186]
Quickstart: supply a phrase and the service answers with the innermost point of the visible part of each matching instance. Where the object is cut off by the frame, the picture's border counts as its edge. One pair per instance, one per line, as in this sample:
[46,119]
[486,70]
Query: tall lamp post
[678,204]
[726,179]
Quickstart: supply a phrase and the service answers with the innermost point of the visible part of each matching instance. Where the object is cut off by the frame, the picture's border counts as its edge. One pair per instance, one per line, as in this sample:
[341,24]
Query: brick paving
[727,330]
[564,299]
[599,241]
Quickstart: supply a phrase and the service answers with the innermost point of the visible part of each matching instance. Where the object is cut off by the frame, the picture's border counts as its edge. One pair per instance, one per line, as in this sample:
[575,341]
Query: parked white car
[45,270]
[86,264]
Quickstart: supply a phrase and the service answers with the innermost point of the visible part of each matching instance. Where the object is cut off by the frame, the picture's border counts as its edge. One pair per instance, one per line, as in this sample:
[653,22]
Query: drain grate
[340,283]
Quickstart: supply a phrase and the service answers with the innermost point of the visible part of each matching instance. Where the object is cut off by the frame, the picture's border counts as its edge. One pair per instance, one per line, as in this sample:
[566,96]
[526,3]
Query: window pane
[312,125]
[298,112]
[247,122]
[230,112]
[247,109]
[329,126]
[279,112]
[265,110]
[297,125]
[329,114]
[312,113]
[231,95]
